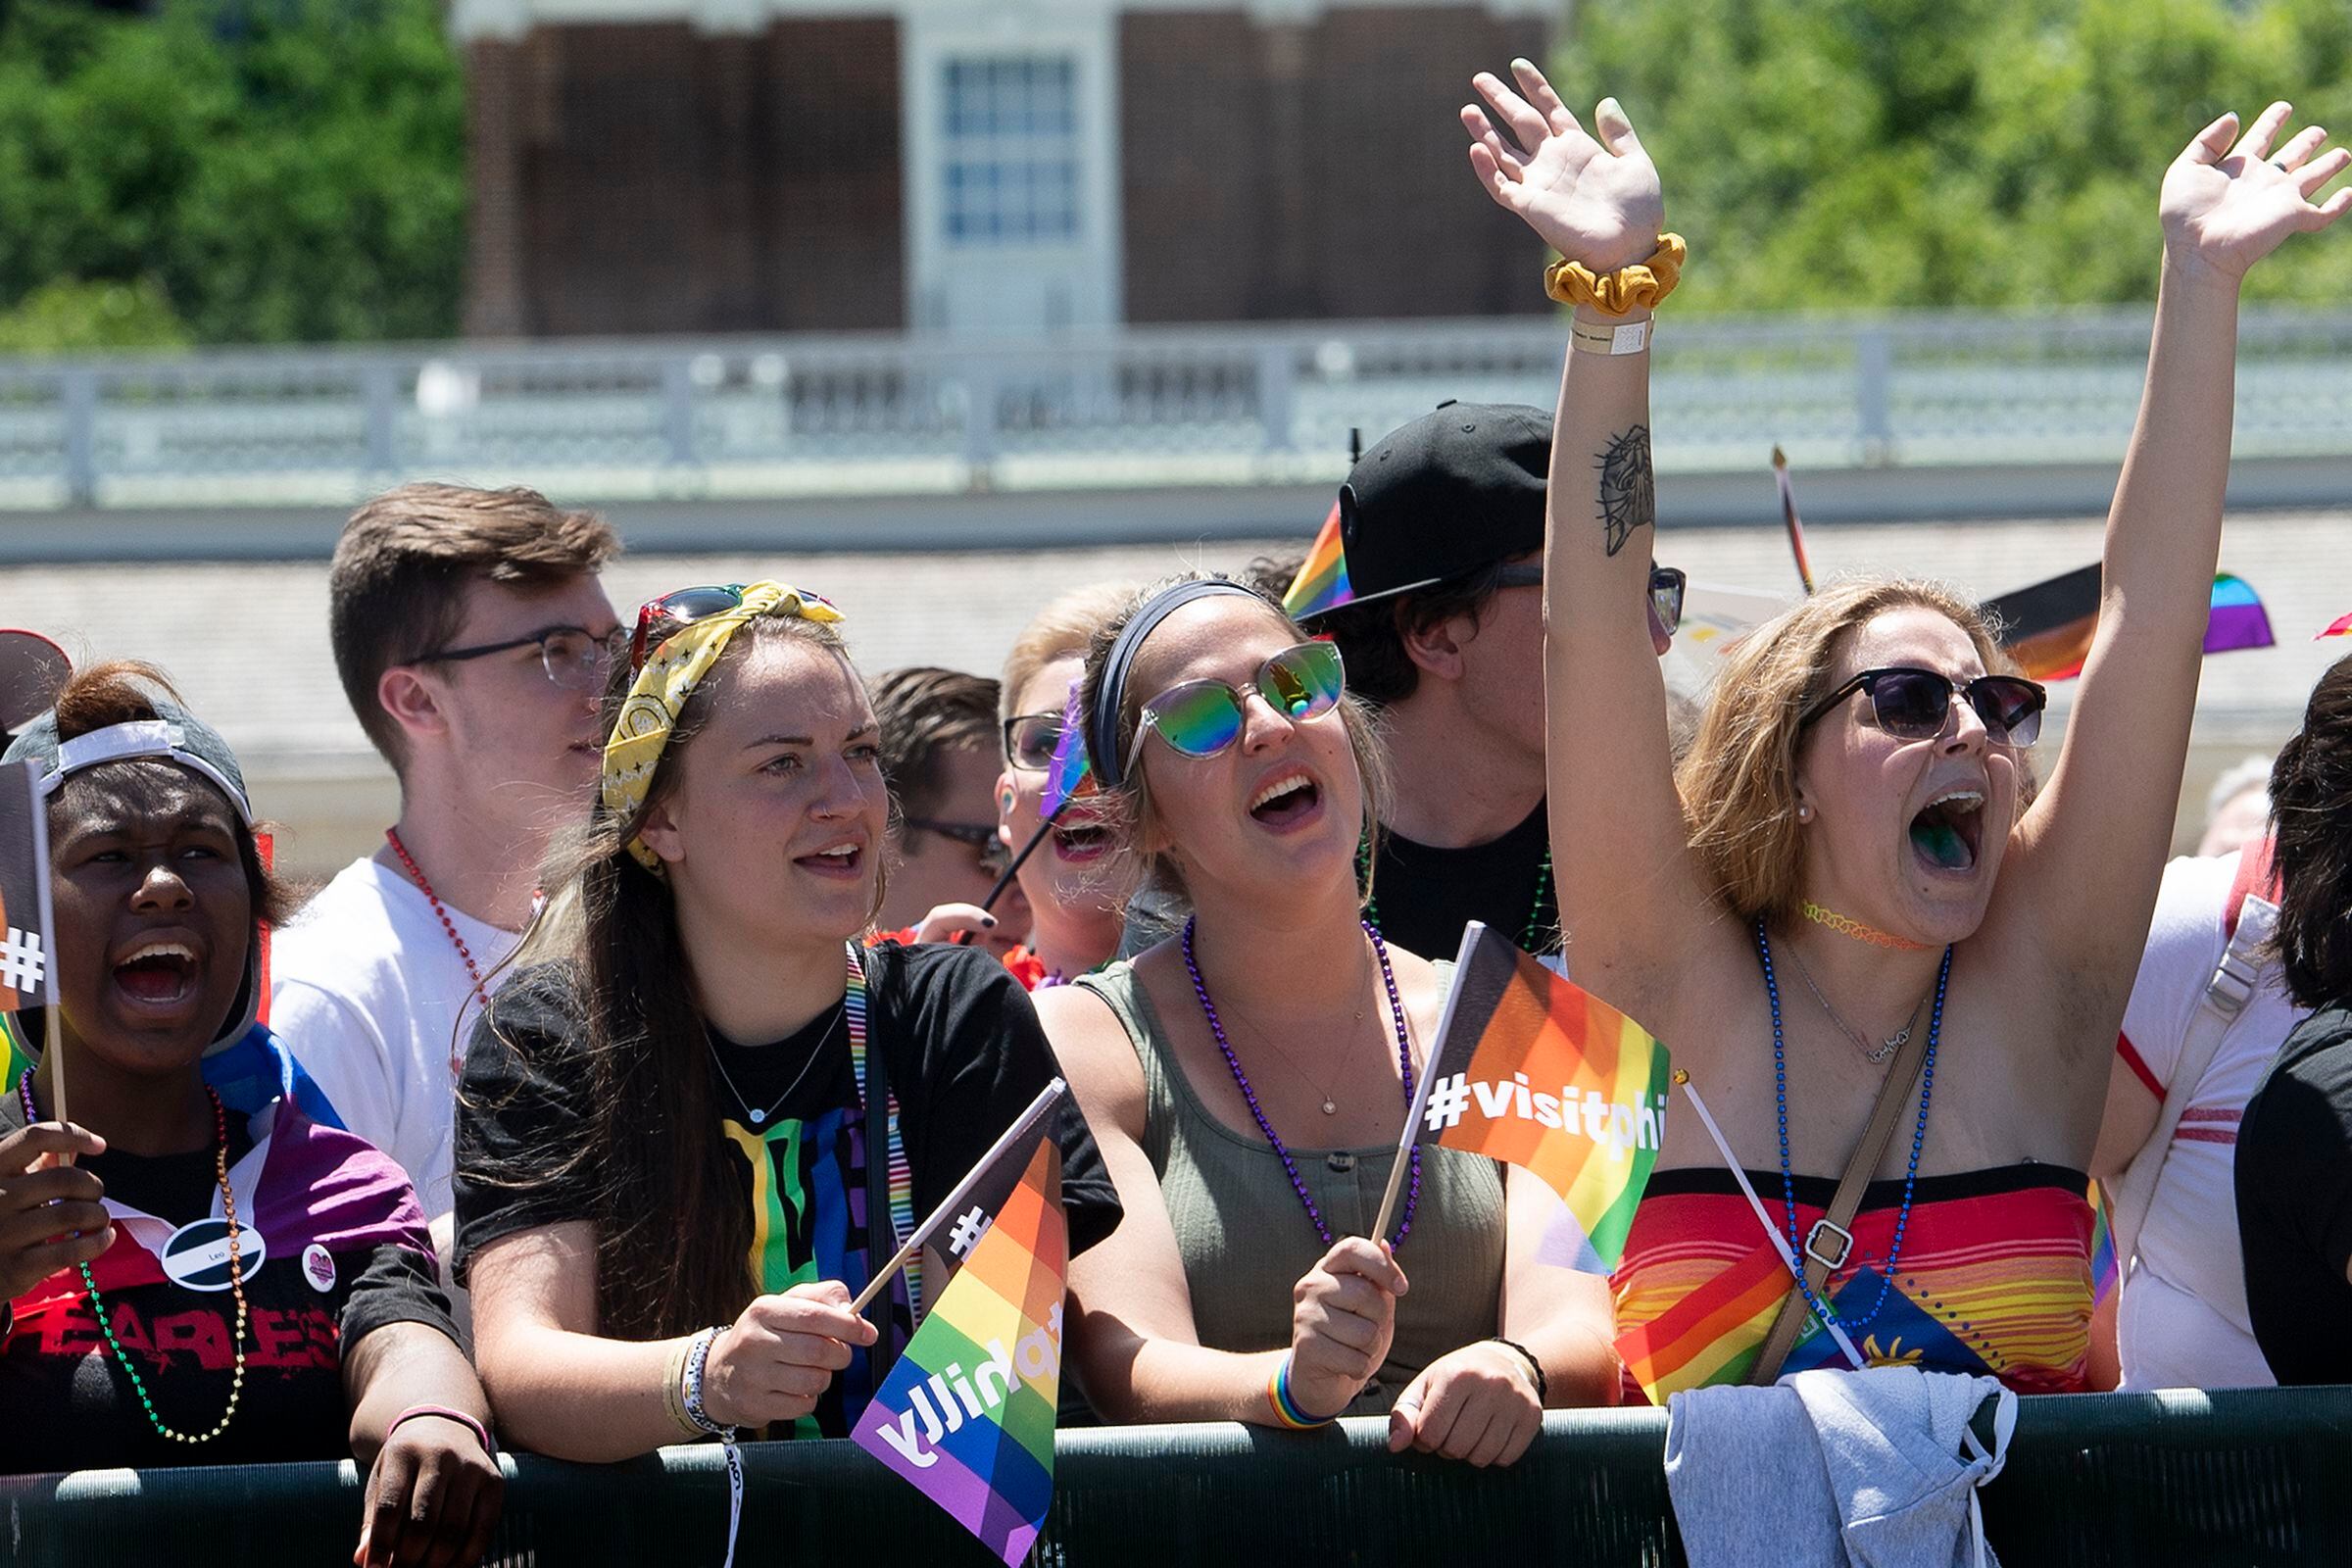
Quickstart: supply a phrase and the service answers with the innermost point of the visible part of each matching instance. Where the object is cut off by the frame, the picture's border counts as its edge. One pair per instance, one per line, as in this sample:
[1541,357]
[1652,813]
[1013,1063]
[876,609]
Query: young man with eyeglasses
[1442,526]
[939,757]
[472,639]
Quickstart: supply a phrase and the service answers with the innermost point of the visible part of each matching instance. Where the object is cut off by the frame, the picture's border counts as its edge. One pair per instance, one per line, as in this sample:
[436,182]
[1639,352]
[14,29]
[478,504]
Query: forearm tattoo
[1627,499]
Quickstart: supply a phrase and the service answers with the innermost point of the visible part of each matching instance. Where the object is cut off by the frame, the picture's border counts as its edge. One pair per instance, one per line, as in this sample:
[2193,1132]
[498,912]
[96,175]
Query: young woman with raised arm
[1248,1079]
[1846,853]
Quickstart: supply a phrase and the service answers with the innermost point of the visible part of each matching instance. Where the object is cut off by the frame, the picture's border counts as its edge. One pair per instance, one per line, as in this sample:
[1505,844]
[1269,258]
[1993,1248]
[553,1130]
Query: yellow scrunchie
[1638,288]
[642,731]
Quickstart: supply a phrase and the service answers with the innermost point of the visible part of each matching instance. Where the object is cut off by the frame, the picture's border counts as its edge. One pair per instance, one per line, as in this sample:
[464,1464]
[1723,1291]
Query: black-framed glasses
[980,837]
[1030,739]
[573,656]
[1666,588]
[1911,704]
[1203,718]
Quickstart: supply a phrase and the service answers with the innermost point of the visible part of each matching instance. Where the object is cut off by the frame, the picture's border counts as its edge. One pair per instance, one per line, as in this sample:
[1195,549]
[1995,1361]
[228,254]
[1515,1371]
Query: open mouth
[1285,800]
[159,975]
[1081,840]
[1945,835]
[844,860]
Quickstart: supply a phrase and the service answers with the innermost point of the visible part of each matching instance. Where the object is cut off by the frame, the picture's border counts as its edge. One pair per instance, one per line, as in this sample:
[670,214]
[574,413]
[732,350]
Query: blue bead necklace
[1919,1137]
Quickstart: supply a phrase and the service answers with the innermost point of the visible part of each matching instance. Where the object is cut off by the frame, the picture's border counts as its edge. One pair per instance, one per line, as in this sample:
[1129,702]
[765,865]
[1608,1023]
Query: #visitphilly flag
[1533,1069]
[28,977]
[968,1413]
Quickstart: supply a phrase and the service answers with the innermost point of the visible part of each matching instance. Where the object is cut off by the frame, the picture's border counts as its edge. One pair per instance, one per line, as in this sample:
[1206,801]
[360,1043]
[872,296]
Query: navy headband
[1102,753]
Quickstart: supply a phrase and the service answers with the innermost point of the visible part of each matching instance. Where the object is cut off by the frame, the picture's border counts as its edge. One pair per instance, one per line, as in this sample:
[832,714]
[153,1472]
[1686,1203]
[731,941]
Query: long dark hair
[673,1239]
[2311,816]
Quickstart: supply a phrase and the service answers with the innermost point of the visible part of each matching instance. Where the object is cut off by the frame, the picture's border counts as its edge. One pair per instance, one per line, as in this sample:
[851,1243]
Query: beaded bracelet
[1287,1413]
[1639,287]
[697,1354]
[1542,1384]
[447,1415]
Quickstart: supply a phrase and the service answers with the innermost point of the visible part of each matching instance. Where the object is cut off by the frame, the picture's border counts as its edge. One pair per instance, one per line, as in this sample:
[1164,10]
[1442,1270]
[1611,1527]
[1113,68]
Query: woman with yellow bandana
[684,1141]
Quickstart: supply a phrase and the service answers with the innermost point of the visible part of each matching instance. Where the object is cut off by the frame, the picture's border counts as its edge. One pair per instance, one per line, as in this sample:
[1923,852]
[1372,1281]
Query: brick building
[718,166]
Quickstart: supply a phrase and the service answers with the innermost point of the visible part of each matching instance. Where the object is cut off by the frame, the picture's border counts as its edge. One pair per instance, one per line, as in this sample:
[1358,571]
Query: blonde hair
[1737,780]
[1063,630]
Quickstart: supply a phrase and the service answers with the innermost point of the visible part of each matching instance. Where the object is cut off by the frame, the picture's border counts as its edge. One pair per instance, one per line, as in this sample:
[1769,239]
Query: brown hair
[396,590]
[924,712]
[2311,816]
[1372,637]
[1737,780]
[123,691]
[1063,630]
[1128,807]
[652,1154]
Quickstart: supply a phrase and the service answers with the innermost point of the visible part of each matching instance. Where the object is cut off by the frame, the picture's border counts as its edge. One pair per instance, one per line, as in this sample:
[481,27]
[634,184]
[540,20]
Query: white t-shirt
[2182,1319]
[369,994]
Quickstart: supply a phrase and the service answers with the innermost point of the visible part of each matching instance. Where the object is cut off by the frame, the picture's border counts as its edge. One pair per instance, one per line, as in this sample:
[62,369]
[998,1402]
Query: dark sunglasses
[1912,704]
[1666,585]
[659,619]
[1203,718]
[573,656]
[980,837]
[1031,739]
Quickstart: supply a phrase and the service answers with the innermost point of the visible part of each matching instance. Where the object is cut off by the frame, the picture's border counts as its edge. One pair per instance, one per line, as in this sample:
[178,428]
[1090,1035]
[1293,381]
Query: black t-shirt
[342,1252]
[2294,1202]
[1425,896]
[962,1052]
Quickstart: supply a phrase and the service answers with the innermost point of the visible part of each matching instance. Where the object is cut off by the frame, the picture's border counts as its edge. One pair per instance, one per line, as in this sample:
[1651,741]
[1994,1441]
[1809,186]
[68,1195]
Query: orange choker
[1848,926]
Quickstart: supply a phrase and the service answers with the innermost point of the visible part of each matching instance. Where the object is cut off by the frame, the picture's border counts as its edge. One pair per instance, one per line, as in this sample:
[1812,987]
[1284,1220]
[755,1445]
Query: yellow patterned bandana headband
[646,719]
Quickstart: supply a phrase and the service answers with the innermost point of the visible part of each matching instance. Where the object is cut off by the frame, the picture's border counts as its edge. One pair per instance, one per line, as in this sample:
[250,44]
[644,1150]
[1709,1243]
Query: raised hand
[2225,207]
[1595,202]
[1342,1316]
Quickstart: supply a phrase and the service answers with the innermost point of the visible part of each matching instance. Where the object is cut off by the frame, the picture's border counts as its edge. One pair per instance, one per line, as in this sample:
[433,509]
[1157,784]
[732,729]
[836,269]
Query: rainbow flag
[1068,775]
[27,944]
[2342,626]
[1322,580]
[1530,1068]
[2048,626]
[1711,1335]
[2106,1269]
[966,1415]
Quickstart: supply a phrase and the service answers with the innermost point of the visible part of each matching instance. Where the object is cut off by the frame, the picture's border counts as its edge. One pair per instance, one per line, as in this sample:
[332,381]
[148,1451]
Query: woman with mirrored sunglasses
[1248,1079]
[1845,888]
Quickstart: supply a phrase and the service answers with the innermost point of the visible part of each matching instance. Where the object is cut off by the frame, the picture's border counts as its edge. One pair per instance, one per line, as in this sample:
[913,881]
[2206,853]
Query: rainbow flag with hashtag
[968,1414]
[1530,1068]
[28,954]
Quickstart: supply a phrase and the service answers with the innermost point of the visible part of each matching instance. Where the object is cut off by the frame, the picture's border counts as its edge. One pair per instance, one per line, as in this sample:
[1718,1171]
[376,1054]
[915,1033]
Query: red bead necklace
[481,994]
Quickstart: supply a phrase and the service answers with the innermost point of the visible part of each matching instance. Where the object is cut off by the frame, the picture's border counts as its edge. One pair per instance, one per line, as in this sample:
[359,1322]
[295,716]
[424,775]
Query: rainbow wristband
[1287,1413]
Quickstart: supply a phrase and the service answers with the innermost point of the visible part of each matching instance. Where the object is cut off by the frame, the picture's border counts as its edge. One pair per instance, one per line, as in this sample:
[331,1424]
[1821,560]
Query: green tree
[1829,154]
[277,172]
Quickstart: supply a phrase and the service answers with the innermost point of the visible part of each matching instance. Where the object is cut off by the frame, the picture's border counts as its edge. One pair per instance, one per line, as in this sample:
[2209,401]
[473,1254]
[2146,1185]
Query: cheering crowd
[586,1109]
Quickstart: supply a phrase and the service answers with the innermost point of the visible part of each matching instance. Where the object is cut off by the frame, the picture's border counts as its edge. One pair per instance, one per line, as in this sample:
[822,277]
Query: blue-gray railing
[1132,408]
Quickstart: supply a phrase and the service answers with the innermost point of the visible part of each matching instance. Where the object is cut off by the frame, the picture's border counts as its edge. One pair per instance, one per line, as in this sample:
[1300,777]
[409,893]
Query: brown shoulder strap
[1827,1245]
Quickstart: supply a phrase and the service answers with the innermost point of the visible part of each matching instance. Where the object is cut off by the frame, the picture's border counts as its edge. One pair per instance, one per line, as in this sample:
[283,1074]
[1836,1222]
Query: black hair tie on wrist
[1542,1384]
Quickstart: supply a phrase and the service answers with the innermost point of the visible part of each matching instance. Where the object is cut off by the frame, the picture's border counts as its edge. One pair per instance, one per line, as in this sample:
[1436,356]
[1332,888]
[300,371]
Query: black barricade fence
[2240,1477]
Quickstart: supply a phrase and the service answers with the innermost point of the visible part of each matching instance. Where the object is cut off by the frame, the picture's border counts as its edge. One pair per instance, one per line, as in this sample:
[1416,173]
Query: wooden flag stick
[1772,1232]
[53,1055]
[963,1189]
[1429,1063]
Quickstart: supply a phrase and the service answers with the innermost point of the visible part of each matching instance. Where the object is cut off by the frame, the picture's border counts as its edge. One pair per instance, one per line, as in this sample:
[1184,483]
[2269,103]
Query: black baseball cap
[1455,490]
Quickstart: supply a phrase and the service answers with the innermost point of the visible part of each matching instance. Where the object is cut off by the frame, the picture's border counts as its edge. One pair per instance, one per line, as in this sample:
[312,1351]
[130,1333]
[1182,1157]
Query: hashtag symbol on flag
[1449,1098]
[967,1233]
[22,961]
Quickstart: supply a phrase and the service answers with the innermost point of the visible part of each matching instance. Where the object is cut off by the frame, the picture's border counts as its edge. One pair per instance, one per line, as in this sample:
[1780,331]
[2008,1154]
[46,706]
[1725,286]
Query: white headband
[147,737]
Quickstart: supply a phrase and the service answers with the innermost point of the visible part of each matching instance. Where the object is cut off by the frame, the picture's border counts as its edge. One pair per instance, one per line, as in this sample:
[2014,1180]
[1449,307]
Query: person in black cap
[1442,523]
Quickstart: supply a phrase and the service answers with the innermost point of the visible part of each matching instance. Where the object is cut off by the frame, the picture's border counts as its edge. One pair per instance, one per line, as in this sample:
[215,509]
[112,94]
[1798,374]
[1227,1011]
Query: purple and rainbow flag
[968,1414]
[2048,628]
[1068,775]
[1322,580]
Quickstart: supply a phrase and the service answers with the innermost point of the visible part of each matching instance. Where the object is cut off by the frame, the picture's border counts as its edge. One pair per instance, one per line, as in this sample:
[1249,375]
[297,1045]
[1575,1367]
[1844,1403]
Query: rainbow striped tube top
[1995,1277]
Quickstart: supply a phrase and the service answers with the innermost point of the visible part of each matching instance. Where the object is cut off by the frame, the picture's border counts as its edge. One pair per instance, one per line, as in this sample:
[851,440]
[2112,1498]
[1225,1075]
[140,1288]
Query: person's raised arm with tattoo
[1630,888]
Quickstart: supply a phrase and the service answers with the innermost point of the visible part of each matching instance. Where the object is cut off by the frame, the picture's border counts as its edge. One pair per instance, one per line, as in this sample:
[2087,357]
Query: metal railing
[1134,408]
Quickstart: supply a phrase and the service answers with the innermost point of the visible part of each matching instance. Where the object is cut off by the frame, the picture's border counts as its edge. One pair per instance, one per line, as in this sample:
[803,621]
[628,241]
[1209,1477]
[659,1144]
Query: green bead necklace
[1528,935]
[236,1284]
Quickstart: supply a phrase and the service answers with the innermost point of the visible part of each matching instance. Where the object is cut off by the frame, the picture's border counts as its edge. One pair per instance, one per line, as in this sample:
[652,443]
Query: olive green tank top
[1245,1238]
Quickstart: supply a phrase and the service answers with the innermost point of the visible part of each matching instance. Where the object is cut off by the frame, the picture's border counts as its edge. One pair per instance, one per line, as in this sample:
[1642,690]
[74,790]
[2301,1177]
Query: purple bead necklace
[1404,1062]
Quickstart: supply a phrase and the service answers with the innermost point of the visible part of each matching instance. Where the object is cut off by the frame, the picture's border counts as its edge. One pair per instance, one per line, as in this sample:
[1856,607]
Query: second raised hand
[1594,201]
